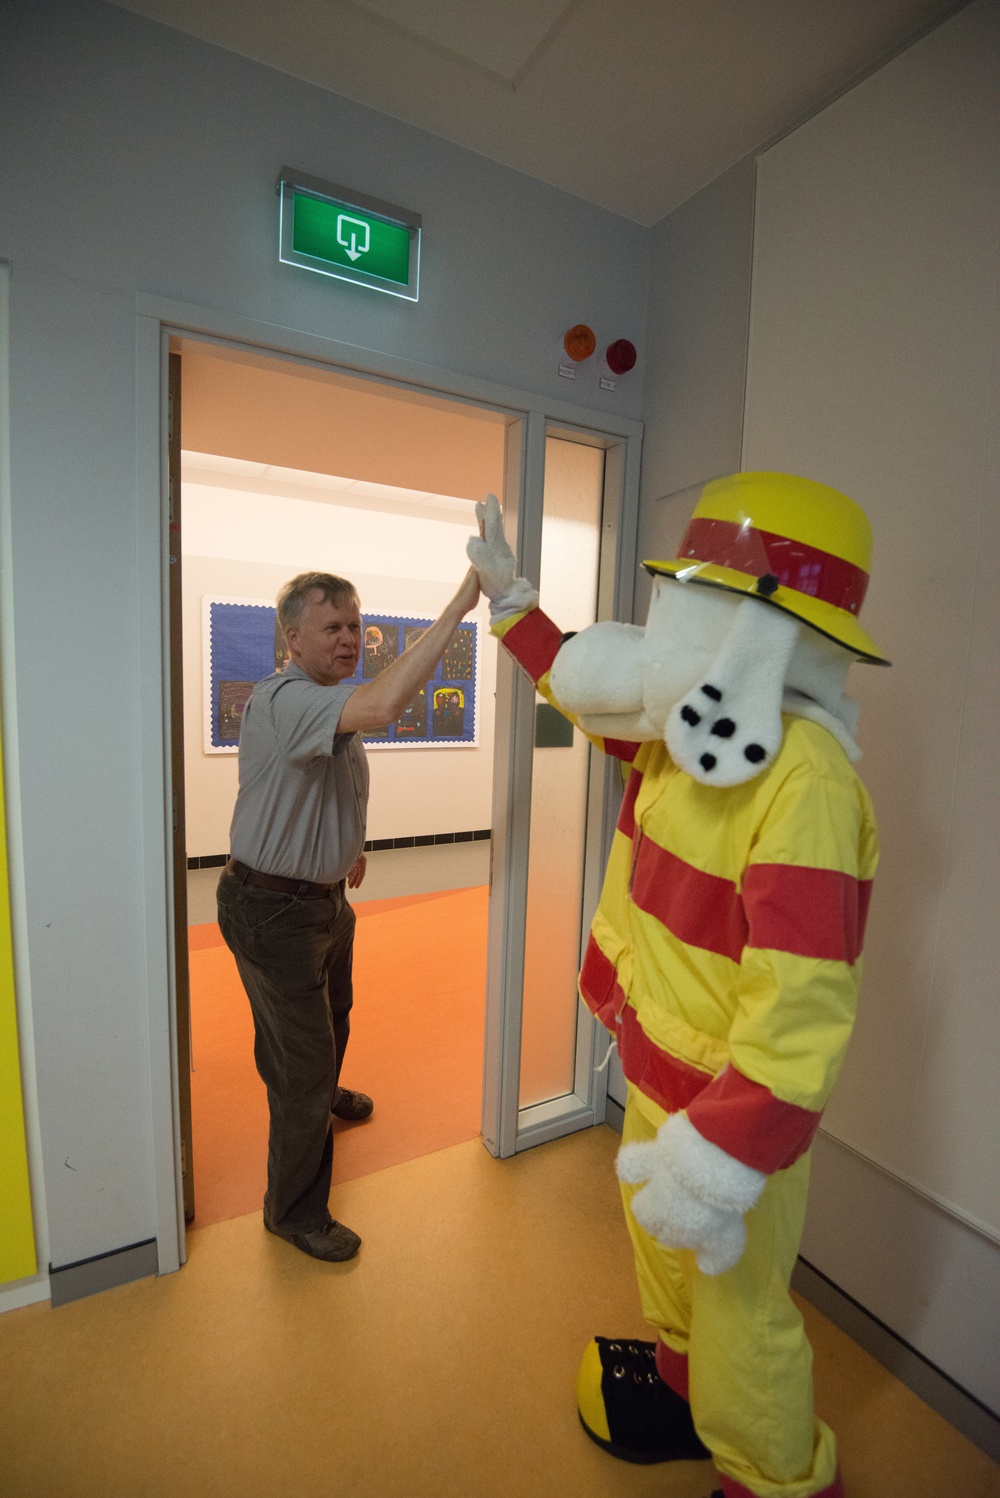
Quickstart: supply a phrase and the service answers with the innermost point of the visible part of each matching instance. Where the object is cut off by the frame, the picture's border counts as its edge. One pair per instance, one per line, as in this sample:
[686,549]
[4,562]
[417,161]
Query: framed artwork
[242,645]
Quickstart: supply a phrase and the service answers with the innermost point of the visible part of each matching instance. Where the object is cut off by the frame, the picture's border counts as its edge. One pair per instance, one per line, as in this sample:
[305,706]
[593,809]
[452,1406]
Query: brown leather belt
[301,887]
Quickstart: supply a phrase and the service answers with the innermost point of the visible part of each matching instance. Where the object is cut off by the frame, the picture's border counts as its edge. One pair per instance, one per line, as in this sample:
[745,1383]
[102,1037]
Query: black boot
[628,1410]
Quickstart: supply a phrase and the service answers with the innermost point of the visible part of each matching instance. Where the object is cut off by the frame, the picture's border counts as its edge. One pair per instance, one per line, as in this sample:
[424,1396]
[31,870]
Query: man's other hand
[468,594]
[356,873]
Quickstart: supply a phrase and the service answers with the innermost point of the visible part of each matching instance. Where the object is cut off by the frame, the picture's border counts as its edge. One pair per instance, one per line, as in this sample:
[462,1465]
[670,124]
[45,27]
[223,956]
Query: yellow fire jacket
[725,954]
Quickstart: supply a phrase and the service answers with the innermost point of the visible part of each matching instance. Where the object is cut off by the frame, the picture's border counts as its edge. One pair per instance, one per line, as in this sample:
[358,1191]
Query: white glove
[496,565]
[696,1193]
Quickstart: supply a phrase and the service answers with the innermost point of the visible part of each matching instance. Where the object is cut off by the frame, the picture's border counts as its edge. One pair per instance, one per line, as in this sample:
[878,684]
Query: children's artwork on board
[412,724]
[456,664]
[243,644]
[232,700]
[380,650]
[449,712]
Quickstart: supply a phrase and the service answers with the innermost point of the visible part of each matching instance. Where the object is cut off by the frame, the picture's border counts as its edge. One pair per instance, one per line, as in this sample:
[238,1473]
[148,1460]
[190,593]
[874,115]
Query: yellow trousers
[749,1363]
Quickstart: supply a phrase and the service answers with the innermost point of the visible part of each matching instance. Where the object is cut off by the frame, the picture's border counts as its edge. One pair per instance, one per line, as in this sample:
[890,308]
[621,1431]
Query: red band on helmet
[818,574]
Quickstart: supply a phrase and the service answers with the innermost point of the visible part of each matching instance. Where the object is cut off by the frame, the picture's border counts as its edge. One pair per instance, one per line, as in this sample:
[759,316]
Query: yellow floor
[439,1364]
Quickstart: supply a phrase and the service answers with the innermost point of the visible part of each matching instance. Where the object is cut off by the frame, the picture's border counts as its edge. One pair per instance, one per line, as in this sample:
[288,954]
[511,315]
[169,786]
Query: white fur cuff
[519,597]
[707,1171]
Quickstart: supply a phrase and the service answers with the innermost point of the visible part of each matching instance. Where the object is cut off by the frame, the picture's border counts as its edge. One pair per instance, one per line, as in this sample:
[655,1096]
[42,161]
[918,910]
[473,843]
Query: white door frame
[531,417]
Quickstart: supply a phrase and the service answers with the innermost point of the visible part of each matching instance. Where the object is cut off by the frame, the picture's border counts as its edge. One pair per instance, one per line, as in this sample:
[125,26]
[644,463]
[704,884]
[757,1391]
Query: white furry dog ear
[728,729]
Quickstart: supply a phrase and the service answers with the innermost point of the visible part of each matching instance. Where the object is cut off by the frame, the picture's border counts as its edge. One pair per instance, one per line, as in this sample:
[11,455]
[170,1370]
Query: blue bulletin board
[243,645]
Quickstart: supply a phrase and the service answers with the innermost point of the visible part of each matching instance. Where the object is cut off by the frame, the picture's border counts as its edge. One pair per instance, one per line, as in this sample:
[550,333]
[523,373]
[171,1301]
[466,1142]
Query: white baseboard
[24,1292]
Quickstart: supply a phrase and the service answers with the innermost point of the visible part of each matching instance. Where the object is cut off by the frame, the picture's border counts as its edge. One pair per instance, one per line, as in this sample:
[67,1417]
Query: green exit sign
[345,234]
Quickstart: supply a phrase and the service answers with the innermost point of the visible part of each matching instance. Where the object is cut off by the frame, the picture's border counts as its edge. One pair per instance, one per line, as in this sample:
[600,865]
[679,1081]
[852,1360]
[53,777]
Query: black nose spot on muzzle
[713,692]
[708,761]
[724,728]
[755,753]
[690,716]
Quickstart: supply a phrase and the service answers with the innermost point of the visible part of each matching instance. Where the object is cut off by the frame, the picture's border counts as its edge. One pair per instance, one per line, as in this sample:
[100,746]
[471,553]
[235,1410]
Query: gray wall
[696,348]
[136,159]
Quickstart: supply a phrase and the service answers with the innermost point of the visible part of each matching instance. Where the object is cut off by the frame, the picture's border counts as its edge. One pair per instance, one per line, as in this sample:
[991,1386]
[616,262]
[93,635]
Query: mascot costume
[725,955]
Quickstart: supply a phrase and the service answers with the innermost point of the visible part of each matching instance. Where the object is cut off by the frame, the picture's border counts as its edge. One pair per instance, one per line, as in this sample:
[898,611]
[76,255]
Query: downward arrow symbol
[349,227]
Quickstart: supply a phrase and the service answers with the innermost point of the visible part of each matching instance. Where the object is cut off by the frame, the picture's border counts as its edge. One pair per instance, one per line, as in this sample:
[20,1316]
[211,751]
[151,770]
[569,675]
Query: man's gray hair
[295,595]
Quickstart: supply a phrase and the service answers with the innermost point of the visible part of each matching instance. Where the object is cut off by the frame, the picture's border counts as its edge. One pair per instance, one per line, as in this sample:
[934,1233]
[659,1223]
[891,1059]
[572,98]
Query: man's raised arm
[377,703]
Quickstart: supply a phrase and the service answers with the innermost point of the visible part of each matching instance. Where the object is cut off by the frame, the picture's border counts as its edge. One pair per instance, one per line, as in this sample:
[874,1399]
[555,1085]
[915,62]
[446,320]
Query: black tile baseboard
[374,845]
[429,839]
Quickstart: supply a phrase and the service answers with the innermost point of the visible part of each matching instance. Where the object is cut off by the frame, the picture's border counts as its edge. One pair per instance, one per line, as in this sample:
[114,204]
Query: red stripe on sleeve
[599,986]
[809,912]
[701,909]
[621,749]
[534,643]
[626,816]
[749,1122]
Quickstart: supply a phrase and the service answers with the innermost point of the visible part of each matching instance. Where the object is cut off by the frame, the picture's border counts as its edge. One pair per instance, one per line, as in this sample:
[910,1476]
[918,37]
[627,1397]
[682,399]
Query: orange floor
[416,1047]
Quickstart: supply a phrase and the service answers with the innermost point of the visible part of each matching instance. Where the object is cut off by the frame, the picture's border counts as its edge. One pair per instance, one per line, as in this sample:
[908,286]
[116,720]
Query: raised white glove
[496,564]
[696,1193]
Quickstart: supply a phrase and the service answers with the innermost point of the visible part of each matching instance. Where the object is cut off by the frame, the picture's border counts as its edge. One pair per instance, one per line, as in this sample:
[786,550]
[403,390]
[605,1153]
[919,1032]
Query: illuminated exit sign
[345,234]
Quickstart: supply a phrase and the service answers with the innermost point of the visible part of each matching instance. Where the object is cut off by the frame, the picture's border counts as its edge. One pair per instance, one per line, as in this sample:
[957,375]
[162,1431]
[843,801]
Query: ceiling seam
[417,39]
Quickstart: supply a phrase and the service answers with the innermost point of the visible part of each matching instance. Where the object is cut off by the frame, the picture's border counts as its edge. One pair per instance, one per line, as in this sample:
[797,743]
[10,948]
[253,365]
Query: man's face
[327,642]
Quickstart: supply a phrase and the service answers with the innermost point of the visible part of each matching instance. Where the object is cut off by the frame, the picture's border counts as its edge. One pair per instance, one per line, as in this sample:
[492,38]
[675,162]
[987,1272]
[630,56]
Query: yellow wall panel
[17,1238]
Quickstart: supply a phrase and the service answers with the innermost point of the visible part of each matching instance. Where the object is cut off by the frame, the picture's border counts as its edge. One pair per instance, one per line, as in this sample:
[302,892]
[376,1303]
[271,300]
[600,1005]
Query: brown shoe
[350,1106]
[332,1242]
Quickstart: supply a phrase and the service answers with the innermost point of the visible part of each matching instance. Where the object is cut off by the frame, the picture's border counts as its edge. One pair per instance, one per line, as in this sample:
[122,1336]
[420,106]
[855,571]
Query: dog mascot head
[758,614]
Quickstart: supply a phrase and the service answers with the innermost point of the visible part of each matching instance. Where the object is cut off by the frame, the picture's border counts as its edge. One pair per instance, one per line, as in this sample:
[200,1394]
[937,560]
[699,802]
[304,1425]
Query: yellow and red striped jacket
[725,954]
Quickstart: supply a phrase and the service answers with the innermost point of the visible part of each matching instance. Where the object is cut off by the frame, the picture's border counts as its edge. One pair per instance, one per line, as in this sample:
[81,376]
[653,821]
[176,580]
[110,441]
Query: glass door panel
[569,574]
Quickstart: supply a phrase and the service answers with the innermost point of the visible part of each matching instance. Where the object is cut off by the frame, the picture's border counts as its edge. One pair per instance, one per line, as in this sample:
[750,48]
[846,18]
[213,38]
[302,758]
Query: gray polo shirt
[303,794]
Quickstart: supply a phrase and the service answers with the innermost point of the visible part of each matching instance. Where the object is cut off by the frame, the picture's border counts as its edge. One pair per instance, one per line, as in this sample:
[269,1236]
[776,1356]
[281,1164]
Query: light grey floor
[391,873]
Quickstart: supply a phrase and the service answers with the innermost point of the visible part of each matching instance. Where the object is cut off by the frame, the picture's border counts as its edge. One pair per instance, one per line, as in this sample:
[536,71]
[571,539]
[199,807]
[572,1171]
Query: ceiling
[631,104]
[210,470]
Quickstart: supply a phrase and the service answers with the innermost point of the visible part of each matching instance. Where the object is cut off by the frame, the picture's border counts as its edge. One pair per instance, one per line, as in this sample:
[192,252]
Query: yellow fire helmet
[798,545]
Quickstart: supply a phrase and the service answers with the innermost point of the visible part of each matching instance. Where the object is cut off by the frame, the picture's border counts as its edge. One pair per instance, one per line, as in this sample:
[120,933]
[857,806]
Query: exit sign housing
[348,235]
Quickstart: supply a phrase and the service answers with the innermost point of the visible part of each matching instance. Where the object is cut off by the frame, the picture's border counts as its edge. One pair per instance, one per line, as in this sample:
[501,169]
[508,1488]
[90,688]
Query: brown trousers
[294,955]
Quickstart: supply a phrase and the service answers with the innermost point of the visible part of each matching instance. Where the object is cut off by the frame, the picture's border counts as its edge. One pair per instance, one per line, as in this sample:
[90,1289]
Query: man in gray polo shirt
[297,842]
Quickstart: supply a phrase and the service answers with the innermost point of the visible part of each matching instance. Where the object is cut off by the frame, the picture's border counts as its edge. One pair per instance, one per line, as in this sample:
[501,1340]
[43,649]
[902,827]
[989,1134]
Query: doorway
[285,469]
[511,1119]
